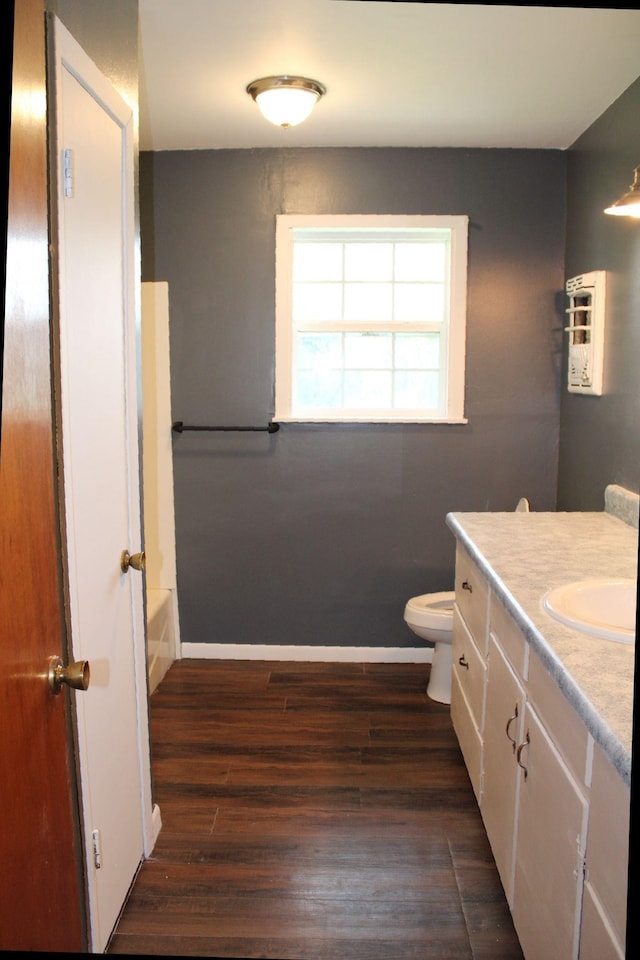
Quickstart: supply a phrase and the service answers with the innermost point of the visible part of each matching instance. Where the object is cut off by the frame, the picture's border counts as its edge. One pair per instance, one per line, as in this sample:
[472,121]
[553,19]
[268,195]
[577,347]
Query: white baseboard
[264,651]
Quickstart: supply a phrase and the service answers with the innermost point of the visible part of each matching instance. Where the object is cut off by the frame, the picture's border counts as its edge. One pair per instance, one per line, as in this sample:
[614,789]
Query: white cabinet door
[598,941]
[504,712]
[604,917]
[550,846]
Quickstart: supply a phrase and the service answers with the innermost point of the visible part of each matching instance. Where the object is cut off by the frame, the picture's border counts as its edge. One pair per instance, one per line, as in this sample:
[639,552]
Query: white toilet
[430,616]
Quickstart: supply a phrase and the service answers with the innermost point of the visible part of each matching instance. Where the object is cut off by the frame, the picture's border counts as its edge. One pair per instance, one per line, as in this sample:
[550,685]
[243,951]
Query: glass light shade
[629,204]
[286,101]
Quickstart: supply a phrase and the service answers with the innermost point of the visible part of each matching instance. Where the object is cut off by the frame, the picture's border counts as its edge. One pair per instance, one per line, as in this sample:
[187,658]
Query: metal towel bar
[179,427]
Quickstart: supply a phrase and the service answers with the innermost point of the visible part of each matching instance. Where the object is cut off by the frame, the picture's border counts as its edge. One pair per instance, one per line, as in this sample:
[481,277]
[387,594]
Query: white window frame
[453,364]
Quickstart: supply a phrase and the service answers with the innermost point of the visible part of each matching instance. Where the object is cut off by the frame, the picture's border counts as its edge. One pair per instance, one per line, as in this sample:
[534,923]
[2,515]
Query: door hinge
[96,842]
[67,172]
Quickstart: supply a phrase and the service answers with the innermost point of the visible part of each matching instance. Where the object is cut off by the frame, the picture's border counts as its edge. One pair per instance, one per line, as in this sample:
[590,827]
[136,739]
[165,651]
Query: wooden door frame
[42,902]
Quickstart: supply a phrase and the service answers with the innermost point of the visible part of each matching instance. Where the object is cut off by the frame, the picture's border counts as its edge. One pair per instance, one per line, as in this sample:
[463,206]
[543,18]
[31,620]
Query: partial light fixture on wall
[285,100]
[629,203]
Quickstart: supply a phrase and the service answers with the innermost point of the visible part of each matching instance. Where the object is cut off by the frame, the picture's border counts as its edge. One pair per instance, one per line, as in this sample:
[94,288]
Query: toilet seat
[431,611]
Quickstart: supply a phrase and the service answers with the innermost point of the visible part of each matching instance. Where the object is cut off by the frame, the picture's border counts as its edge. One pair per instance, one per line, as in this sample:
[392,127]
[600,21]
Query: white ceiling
[397,73]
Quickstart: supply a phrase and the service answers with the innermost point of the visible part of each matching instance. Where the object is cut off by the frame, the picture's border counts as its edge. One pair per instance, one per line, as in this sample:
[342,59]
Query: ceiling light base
[286,100]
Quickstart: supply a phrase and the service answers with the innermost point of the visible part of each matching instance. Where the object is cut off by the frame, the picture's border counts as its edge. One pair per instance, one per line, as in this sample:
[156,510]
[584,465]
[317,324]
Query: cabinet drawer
[563,724]
[472,597]
[509,636]
[468,735]
[470,669]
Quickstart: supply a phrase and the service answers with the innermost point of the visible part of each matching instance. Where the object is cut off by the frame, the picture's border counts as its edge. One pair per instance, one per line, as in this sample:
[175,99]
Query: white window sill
[365,419]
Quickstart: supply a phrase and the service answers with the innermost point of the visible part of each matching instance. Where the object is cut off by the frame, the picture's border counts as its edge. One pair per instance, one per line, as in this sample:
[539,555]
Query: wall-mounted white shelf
[586,293]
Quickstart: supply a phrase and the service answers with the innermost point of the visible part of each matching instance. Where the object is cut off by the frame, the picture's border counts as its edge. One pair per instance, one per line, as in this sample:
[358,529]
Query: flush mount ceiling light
[629,203]
[286,101]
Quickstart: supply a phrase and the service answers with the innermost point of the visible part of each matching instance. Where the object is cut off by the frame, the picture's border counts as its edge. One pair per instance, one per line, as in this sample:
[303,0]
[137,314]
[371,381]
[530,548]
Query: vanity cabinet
[550,799]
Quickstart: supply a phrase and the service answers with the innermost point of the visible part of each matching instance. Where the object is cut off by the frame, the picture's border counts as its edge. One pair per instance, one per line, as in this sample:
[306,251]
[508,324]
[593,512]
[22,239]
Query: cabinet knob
[467,586]
[463,662]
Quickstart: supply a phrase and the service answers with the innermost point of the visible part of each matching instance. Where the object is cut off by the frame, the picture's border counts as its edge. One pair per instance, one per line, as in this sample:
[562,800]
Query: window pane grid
[379,282]
[371,282]
[354,370]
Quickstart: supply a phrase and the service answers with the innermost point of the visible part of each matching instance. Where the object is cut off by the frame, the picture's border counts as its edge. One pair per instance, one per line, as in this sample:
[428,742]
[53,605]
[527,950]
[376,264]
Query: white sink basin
[602,608]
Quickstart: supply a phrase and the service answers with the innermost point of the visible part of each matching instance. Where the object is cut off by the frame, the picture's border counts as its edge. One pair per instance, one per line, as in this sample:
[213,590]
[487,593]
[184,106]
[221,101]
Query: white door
[99,422]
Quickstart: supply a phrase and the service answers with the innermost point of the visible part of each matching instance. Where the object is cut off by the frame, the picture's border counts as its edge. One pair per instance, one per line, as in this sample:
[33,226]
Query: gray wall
[108,32]
[600,436]
[319,534]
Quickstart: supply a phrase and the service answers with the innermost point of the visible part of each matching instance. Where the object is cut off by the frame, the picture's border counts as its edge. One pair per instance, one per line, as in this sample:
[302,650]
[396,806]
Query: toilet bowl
[430,616]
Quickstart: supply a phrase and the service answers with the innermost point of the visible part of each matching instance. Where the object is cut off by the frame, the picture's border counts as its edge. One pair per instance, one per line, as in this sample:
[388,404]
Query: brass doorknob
[76,675]
[135,560]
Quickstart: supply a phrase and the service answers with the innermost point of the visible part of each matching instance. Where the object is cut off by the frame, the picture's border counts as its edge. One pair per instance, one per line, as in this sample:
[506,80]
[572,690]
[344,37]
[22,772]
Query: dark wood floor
[312,812]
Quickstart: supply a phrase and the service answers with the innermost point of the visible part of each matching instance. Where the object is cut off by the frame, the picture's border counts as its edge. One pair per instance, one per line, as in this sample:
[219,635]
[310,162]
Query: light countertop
[523,556]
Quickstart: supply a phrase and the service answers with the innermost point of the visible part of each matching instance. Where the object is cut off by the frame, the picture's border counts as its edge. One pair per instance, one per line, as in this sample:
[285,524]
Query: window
[370,318]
